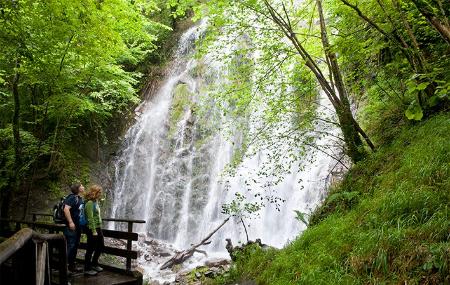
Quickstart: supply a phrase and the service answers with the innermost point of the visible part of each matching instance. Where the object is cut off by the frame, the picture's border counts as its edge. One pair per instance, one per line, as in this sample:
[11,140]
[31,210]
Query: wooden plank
[120,235]
[115,251]
[124,220]
[108,277]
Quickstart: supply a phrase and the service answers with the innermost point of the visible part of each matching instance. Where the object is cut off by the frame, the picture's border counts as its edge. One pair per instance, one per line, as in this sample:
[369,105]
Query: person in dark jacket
[95,240]
[72,232]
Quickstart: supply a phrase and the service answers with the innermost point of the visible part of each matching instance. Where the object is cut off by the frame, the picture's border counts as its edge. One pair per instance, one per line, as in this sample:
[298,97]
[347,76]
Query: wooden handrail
[127,235]
[14,243]
[104,219]
[36,261]
[124,220]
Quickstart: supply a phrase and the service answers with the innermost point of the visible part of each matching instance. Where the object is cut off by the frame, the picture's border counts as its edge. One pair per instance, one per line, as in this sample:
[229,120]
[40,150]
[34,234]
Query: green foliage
[179,8]
[403,57]
[302,217]
[32,152]
[240,207]
[387,223]
[414,111]
[75,65]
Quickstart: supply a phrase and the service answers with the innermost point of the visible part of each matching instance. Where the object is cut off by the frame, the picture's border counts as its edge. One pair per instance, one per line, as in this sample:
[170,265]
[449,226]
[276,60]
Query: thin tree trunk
[393,37]
[422,61]
[441,26]
[14,180]
[445,17]
[339,99]
[16,120]
[413,55]
[53,148]
[245,228]
[349,126]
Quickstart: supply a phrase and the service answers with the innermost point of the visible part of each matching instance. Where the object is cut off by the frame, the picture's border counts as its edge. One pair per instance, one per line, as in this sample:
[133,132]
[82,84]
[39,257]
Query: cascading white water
[170,168]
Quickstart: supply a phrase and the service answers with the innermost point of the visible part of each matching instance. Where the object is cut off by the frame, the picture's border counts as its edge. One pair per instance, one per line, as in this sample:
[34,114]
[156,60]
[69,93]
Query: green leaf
[302,217]
[422,86]
[433,101]
[414,111]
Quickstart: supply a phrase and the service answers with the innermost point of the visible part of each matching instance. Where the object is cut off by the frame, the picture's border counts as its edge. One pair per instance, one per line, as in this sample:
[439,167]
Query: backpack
[83,219]
[58,212]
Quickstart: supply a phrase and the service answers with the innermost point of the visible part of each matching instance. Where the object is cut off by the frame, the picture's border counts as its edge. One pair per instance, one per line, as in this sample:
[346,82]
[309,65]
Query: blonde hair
[95,191]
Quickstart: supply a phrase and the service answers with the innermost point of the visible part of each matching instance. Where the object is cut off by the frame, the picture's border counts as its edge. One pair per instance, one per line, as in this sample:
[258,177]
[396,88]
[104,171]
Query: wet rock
[210,274]
[165,254]
[217,262]
[210,270]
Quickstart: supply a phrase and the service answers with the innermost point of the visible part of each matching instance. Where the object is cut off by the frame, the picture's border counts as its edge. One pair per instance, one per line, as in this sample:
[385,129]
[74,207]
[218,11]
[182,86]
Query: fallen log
[182,256]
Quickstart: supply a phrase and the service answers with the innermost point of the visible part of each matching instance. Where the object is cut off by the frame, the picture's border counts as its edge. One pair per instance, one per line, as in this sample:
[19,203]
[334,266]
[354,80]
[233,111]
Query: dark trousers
[73,241]
[95,245]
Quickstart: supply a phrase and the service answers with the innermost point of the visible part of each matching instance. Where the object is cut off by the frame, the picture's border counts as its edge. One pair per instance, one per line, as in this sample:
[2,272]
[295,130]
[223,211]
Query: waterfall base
[153,253]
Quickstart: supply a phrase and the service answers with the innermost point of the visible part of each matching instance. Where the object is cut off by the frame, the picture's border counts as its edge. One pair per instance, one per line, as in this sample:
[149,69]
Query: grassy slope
[387,223]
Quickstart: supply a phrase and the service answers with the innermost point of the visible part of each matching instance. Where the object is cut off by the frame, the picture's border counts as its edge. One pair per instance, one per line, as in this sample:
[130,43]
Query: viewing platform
[34,252]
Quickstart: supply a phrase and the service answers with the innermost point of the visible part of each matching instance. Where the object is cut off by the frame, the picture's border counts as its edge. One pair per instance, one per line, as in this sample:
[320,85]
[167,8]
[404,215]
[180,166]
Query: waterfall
[170,168]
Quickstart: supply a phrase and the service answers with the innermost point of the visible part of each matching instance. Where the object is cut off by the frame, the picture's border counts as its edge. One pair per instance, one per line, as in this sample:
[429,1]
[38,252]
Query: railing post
[129,246]
[62,258]
[34,219]
[41,262]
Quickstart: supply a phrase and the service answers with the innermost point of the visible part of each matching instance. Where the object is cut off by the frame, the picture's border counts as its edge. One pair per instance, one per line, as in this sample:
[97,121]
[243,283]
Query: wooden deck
[31,257]
[105,277]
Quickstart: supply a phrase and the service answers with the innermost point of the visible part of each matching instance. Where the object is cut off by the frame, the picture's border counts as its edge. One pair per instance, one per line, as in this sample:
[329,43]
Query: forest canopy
[66,69]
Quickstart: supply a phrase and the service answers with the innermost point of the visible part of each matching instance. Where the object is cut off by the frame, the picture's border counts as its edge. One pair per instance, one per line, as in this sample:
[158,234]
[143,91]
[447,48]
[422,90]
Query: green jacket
[92,211]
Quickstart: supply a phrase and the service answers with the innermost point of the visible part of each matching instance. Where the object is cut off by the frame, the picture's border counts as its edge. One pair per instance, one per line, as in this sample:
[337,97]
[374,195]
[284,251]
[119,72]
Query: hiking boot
[97,268]
[90,272]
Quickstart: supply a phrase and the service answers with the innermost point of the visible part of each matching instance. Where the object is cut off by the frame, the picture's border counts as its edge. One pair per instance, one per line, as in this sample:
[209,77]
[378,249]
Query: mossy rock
[182,101]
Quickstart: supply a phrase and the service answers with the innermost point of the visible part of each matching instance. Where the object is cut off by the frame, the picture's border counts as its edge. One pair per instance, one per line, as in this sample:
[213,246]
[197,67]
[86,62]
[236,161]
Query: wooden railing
[25,258]
[129,254]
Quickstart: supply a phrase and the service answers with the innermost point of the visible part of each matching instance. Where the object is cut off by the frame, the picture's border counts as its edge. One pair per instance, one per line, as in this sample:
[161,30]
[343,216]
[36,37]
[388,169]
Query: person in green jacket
[95,240]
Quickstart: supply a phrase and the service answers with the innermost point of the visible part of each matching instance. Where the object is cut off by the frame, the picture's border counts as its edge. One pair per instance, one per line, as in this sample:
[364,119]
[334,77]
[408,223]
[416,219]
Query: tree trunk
[440,26]
[14,180]
[335,91]
[16,121]
[350,128]
[353,142]
[413,55]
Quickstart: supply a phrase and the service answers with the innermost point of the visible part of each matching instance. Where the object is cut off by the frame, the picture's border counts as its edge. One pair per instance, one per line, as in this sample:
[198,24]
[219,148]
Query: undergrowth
[386,223]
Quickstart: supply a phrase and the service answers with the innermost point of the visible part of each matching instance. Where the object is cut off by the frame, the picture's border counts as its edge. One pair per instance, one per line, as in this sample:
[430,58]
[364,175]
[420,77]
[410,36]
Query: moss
[387,223]
[182,101]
